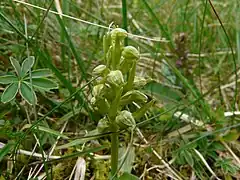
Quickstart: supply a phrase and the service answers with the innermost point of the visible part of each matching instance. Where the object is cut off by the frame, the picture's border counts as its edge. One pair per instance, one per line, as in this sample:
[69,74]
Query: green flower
[125,120]
[118,33]
[115,78]
[130,52]
[98,90]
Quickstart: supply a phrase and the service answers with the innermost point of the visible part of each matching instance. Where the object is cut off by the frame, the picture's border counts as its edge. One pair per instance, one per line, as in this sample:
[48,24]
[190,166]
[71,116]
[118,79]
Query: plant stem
[114,150]
[124,17]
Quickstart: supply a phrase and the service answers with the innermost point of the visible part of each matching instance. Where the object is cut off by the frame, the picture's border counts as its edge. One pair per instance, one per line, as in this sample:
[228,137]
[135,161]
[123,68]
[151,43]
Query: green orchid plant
[116,89]
[25,82]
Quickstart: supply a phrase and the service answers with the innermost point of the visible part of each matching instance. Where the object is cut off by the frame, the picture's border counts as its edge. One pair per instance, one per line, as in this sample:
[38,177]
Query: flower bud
[115,78]
[135,96]
[103,125]
[125,120]
[130,52]
[99,70]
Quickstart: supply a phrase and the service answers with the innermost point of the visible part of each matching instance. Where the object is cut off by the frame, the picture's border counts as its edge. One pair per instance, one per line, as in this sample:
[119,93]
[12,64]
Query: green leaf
[40,73]
[163,92]
[27,65]
[7,79]
[27,93]
[45,129]
[10,92]
[5,150]
[140,112]
[16,65]
[188,158]
[43,83]
[217,146]
[233,135]
[128,176]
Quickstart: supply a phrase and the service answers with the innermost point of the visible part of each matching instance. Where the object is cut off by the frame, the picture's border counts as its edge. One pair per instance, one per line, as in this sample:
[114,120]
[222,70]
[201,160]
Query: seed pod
[103,125]
[115,78]
[100,70]
[130,52]
[135,96]
[106,44]
[125,120]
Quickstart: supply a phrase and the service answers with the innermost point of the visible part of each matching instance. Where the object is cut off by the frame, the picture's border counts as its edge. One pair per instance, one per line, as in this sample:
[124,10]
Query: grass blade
[124,19]
[47,130]
[72,47]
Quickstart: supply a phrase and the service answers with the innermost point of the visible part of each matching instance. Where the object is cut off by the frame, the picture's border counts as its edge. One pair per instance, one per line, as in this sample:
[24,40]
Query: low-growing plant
[25,82]
[116,94]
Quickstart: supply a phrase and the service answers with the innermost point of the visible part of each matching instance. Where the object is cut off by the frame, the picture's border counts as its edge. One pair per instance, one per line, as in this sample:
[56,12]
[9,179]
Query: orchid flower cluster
[118,85]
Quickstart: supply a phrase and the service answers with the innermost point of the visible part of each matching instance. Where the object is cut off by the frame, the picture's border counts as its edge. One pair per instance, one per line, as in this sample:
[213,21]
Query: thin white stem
[206,164]
[90,23]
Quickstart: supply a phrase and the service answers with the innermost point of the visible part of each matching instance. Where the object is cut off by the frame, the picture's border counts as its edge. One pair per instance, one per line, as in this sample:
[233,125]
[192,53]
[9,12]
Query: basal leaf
[27,65]
[27,93]
[16,65]
[10,92]
[44,83]
[7,79]
[40,73]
